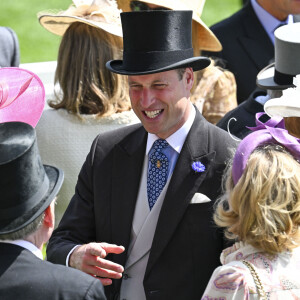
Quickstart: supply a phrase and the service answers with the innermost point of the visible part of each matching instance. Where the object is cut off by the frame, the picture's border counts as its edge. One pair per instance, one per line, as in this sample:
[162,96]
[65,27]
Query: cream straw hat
[102,14]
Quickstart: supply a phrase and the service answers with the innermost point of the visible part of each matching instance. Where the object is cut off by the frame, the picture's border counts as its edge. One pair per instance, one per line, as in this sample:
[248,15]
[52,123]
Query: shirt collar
[27,245]
[176,140]
[269,22]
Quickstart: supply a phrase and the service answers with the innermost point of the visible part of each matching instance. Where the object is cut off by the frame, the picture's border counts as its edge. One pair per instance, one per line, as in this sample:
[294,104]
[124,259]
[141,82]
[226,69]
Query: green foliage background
[37,44]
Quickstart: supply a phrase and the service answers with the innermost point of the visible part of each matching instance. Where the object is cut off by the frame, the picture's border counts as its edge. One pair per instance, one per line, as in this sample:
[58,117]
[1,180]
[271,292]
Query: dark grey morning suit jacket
[186,246]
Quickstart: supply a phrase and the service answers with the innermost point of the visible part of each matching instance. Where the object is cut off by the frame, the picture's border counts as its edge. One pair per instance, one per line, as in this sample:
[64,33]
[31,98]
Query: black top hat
[27,187]
[157,41]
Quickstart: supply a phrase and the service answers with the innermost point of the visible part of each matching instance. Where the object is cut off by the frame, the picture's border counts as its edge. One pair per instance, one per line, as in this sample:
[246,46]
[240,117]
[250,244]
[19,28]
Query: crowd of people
[149,176]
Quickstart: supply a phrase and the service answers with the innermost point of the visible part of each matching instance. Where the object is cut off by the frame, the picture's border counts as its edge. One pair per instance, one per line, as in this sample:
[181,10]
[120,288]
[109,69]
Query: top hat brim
[58,24]
[56,178]
[196,63]
[265,79]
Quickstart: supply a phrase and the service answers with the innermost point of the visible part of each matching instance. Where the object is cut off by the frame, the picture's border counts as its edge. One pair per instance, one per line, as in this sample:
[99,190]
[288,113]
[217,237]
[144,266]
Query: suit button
[125,276]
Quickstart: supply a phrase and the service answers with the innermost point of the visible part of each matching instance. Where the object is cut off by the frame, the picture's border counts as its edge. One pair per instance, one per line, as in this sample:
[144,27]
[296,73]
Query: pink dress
[279,274]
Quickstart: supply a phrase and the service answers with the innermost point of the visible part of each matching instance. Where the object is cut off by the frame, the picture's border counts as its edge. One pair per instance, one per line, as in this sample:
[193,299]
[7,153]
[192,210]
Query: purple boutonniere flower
[198,167]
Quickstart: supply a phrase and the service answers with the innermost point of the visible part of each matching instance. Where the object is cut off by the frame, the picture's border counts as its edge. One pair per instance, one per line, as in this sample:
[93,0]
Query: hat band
[137,61]
[283,79]
[19,210]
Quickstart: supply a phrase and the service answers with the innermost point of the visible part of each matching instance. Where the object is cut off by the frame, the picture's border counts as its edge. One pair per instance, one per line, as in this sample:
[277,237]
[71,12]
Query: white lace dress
[280,275]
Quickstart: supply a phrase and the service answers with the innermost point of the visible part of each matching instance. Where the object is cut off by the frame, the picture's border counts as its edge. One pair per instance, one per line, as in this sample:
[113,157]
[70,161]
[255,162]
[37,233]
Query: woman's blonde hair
[263,209]
[87,87]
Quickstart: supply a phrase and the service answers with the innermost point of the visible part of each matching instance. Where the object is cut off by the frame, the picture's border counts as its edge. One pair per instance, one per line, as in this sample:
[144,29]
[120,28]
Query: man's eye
[160,85]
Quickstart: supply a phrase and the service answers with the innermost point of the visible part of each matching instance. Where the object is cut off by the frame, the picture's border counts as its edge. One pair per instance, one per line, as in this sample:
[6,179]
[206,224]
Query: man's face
[161,100]
[280,9]
[289,6]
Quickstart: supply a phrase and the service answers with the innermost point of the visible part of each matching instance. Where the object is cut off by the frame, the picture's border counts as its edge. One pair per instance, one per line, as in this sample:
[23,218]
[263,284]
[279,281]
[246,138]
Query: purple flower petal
[197,166]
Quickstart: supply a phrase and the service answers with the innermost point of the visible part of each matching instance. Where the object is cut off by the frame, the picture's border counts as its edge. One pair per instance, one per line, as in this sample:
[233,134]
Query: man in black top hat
[28,190]
[150,188]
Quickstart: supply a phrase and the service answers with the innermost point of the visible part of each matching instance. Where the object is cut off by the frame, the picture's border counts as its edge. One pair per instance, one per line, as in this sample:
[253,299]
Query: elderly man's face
[161,100]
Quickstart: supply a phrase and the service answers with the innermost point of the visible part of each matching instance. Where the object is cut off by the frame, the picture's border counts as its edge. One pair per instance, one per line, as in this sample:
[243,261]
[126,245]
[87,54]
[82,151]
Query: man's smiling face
[161,100]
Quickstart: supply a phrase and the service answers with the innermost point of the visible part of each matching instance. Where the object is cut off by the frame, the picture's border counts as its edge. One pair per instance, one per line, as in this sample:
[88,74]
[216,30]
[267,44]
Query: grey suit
[9,48]
[24,276]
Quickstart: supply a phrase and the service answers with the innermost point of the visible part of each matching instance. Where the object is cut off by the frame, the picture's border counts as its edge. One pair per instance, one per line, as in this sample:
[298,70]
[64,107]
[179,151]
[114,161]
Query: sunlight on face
[161,100]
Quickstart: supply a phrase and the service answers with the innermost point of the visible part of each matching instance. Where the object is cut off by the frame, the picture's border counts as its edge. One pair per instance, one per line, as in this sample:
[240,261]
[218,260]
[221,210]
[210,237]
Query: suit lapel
[183,185]
[128,163]
[256,41]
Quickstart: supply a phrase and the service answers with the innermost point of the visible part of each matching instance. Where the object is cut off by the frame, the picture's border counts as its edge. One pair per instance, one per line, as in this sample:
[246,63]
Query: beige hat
[102,14]
[207,40]
[288,105]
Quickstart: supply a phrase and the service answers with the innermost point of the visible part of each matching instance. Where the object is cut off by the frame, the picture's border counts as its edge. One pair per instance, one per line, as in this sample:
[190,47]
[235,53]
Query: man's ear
[49,216]
[189,78]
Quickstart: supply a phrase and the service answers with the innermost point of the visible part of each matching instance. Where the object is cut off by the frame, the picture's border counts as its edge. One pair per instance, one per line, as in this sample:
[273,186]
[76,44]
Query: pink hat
[22,96]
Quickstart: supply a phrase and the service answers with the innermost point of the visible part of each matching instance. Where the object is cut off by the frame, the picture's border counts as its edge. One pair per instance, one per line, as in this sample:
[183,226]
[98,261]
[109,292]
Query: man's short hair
[25,231]
[180,72]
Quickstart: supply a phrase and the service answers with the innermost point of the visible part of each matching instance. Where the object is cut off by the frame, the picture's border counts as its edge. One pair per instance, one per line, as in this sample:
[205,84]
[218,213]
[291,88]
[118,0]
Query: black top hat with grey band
[279,75]
[157,41]
[27,187]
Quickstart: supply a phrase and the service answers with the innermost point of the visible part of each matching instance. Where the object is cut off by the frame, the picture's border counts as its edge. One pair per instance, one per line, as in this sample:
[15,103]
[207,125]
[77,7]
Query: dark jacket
[9,48]
[247,48]
[25,276]
[244,115]
[187,245]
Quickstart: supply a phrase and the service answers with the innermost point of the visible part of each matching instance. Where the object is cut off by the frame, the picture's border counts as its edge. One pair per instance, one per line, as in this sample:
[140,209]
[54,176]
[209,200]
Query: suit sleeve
[15,58]
[95,291]
[9,48]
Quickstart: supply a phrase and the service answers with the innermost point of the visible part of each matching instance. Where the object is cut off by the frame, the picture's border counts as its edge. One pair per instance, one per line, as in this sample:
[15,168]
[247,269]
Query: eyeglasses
[139,6]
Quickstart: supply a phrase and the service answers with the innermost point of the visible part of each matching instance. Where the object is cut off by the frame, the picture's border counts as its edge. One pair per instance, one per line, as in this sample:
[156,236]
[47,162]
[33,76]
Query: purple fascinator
[271,132]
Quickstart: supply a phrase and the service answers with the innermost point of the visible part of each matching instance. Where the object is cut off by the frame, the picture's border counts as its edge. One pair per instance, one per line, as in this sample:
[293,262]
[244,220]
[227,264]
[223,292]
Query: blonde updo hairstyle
[263,208]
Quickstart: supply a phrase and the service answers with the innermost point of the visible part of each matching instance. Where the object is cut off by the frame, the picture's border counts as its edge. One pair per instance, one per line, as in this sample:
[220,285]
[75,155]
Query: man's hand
[90,258]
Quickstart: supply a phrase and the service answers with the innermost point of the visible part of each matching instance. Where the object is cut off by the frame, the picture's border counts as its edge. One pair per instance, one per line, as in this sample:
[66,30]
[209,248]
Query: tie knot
[159,144]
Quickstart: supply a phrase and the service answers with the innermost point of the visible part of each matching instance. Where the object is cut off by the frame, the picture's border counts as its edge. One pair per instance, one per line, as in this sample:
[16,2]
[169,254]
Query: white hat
[288,105]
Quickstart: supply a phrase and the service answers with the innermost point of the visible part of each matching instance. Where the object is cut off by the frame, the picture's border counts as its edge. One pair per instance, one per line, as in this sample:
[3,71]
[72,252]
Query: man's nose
[147,98]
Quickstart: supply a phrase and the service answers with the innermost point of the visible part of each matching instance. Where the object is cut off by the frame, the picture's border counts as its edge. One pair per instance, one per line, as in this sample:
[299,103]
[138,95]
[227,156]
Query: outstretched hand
[90,258]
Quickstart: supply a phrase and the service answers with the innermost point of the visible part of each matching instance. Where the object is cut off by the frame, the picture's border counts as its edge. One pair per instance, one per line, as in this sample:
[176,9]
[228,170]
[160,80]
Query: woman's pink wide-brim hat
[22,96]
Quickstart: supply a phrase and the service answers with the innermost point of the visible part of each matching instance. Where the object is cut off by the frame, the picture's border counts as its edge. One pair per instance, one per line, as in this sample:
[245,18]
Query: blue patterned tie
[157,172]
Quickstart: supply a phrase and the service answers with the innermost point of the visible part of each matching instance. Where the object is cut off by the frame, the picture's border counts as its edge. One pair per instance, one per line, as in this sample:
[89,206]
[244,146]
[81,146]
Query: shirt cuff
[67,259]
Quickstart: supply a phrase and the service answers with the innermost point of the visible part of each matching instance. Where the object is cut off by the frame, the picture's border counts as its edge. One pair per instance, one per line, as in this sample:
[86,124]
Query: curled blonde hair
[263,209]
[87,87]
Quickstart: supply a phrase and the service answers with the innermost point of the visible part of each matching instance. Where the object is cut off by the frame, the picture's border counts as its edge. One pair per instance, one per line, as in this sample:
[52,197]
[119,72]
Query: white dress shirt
[27,245]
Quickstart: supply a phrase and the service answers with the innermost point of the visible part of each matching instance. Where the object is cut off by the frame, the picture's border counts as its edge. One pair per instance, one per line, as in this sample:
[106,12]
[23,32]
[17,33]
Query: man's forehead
[162,76]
